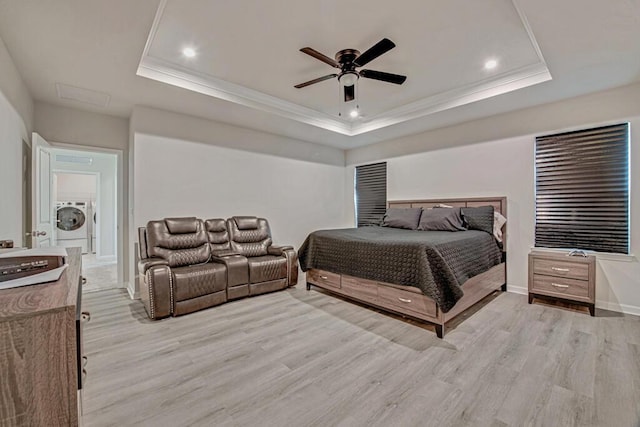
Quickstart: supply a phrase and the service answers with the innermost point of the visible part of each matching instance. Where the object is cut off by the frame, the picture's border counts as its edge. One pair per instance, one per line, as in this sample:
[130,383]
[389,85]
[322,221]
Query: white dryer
[72,225]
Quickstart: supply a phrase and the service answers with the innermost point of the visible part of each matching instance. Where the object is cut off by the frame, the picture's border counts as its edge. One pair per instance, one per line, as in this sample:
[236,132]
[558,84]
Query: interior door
[42,215]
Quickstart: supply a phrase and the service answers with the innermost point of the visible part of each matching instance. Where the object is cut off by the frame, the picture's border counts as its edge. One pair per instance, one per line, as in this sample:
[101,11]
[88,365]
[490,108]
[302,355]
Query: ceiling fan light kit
[348,79]
[347,60]
[348,107]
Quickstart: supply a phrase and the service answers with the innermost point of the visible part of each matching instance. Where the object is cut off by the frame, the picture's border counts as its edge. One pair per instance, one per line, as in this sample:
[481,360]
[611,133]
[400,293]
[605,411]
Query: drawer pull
[324,277]
[558,285]
[404,300]
[86,316]
[564,270]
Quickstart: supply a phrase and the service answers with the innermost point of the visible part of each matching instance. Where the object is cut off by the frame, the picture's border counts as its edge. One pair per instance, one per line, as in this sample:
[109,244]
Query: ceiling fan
[347,61]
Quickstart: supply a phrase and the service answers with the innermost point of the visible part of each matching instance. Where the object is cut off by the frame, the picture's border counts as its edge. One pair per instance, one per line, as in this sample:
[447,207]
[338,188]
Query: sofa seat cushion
[197,280]
[267,267]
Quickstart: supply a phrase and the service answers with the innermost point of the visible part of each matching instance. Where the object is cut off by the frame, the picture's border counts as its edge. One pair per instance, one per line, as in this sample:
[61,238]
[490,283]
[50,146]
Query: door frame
[120,213]
[27,201]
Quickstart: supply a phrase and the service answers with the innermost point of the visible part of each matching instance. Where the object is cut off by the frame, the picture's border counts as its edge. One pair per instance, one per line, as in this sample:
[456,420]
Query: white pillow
[498,222]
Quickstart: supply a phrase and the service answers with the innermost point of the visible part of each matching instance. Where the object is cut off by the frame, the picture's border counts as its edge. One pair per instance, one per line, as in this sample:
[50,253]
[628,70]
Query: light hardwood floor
[299,358]
[99,274]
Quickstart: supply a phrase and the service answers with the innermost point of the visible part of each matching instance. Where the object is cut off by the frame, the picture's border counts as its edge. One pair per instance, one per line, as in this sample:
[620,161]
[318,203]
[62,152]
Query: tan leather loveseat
[187,264]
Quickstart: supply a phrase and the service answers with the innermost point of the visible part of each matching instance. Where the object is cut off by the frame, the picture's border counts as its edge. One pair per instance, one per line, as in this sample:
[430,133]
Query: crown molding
[177,75]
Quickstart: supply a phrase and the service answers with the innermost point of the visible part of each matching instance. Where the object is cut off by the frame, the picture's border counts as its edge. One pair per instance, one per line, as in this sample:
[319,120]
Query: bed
[432,276]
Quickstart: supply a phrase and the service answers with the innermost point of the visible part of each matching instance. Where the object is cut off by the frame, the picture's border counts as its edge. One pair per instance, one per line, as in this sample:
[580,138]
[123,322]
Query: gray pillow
[402,218]
[441,219]
[480,218]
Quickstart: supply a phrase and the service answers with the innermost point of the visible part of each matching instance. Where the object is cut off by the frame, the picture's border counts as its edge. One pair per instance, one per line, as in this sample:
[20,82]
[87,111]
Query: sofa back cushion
[218,234]
[179,241]
[249,236]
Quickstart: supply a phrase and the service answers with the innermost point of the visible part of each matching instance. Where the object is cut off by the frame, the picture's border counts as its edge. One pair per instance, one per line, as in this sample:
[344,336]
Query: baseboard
[517,289]
[620,308]
[132,291]
[605,305]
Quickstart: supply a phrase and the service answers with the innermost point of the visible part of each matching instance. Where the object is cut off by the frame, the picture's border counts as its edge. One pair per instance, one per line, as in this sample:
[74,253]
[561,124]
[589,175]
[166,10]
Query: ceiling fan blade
[318,80]
[385,77]
[320,56]
[383,46]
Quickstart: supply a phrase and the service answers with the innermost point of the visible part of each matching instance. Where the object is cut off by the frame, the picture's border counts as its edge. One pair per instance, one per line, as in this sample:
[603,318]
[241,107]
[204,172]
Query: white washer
[72,228]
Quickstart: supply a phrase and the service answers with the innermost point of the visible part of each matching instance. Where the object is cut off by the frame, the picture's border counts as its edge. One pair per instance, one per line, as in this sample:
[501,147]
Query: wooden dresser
[40,340]
[570,278]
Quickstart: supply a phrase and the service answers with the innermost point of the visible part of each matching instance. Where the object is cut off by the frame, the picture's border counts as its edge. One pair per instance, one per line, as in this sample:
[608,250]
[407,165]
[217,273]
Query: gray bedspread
[437,262]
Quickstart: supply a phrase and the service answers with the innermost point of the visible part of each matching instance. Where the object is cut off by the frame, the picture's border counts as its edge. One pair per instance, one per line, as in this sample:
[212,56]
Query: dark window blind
[371,193]
[582,190]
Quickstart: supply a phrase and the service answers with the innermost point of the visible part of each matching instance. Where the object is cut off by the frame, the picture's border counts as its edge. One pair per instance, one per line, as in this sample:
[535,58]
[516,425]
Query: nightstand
[564,277]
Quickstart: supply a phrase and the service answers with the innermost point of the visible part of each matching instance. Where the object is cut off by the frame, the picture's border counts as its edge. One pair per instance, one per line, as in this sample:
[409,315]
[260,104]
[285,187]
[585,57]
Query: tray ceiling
[247,53]
[96,46]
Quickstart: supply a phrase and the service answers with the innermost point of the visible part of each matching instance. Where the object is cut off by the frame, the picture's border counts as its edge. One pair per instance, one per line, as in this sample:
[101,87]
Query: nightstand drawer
[560,286]
[560,268]
[323,278]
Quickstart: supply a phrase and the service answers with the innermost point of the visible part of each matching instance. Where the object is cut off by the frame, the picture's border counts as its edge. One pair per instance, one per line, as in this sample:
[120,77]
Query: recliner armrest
[292,261]
[147,263]
[156,290]
[278,250]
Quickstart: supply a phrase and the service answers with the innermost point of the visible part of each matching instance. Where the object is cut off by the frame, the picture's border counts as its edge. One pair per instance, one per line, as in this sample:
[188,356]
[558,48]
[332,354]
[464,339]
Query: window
[370,193]
[582,190]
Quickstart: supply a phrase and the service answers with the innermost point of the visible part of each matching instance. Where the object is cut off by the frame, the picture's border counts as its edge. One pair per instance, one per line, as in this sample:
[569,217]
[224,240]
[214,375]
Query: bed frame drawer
[405,300]
[324,278]
[360,288]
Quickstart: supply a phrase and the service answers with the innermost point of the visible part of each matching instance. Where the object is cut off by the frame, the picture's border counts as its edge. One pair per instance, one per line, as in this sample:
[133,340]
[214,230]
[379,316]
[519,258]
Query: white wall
[505,167]
[181,178]
[609,105]
[75,186]
[14,89]
[12,132]
[105,166]
[152,121]
[70,126]
[16,118]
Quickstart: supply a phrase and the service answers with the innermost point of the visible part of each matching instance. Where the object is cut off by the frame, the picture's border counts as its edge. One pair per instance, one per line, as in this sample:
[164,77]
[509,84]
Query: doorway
[77,201]
[78,205]
[86,205]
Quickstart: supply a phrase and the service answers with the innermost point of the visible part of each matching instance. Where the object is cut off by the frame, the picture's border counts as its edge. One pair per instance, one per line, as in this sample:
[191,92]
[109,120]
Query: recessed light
[491,64]
[354,113]
[189,52]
